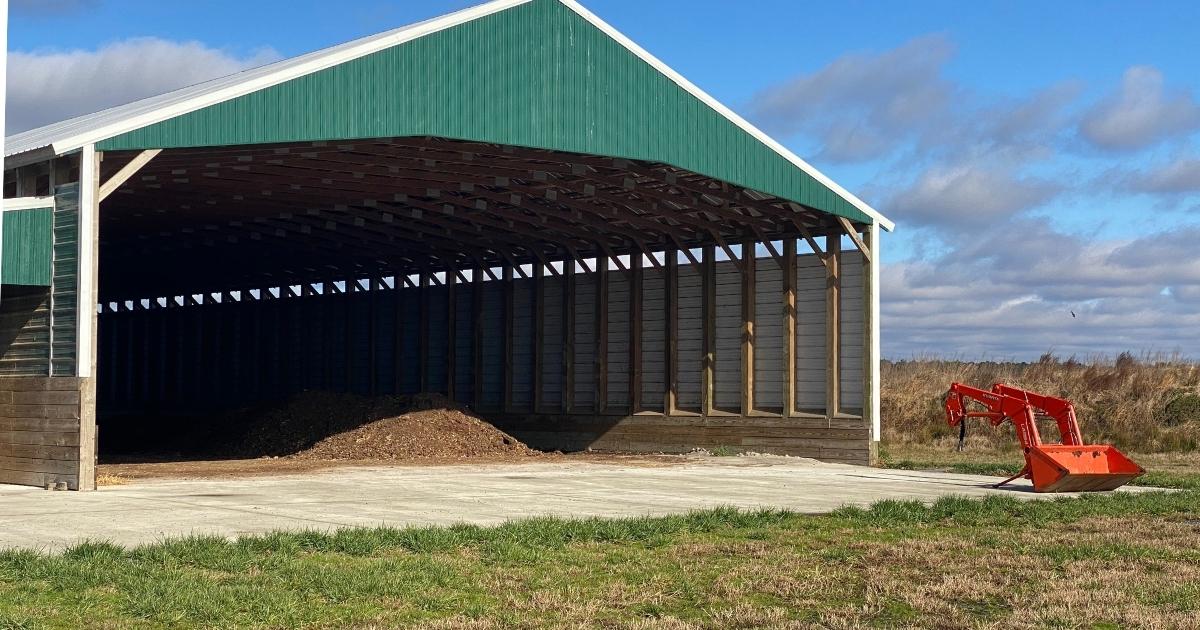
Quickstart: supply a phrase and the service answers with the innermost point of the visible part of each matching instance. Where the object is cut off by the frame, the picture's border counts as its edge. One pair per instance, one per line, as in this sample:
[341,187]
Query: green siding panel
[28,240]
[64,290]
[536,75]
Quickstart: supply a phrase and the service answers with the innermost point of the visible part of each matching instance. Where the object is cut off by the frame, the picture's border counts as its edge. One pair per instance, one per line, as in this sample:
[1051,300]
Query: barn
[513,205]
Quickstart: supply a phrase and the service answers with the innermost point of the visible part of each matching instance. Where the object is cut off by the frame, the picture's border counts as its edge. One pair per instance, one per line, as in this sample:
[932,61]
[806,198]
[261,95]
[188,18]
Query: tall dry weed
[1129,401]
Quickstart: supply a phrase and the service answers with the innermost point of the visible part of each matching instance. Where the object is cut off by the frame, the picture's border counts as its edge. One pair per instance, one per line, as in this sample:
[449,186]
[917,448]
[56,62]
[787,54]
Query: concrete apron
[151,510]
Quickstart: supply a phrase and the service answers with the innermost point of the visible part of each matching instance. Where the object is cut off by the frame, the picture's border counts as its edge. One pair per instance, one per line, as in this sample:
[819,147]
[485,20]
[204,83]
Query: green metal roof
[536,73]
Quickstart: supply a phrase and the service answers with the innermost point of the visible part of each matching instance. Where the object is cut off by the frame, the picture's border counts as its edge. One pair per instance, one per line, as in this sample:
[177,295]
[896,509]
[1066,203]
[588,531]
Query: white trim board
[27,203]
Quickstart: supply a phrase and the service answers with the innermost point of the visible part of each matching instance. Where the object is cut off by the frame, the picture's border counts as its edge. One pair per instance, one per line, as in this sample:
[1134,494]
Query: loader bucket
[1073,468]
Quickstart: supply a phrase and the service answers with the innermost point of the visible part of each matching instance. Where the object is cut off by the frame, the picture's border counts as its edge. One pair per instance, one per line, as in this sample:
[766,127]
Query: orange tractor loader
[1068,466]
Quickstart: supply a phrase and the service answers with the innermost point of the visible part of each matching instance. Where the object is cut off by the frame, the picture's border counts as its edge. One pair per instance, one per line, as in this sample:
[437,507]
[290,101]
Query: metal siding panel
[28,246]
[768,335]
[585,340]
[493,344]
[619,335]
[654,339]
[728,375]
[590,95]
[810,333]
[690,341]
[438,329]
[464,346]
[25,326]
[64,286]
[852,340]
[552,343]
[410,348]
[522,379]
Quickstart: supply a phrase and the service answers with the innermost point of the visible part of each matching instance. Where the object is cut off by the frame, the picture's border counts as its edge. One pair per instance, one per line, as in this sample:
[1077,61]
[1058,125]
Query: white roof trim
[27,203]
[745,125]
[74,134]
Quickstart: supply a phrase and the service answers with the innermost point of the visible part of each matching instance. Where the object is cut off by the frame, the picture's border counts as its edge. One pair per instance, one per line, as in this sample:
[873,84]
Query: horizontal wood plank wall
[181,358]
[851,332]
[40,430]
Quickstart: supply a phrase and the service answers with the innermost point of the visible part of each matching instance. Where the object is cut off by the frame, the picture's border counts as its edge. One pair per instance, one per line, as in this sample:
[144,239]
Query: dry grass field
[1141,404]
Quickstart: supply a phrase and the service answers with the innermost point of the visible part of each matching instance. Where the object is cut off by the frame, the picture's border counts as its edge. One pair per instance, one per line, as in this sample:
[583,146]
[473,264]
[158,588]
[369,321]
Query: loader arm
[1067,466]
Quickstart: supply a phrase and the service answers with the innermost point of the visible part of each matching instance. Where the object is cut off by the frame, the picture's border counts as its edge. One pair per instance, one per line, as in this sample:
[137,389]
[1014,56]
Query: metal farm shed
[513,205]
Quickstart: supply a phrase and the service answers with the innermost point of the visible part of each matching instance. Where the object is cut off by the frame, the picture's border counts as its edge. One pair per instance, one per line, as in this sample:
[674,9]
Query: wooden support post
[871,348]
[635,332]
[833,316]
[789,326]
[508,338]
[539,307]
[709,320]
[568,336]
[477,332]
[748,295]
[451,331]
[600,339]
[671,360]
[423,334]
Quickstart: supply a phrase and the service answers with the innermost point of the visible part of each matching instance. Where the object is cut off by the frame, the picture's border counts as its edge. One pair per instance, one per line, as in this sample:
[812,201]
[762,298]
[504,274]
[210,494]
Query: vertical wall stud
[833,336]
[635,332]
[671,360]
[708,381]
[748,299]
[789,326]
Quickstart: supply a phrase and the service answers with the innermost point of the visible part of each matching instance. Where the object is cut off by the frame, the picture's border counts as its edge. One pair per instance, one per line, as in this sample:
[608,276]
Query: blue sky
[1034,154]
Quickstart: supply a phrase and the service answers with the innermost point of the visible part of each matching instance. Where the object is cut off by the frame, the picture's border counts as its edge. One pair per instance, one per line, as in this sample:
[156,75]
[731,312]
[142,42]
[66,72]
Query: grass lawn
[1110,561]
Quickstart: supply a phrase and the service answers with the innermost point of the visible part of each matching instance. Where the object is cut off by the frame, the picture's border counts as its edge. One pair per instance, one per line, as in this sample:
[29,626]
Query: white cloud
[48,86]
[1011,292]
[1140,112]
[1181,176]
[45,8]
[968,196]
[863,104]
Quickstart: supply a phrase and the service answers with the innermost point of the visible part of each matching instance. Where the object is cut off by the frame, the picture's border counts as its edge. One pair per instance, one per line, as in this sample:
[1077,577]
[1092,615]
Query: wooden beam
[852,232]
[709,323]
[789,327]
[833,316]
[748,316]
[127,171]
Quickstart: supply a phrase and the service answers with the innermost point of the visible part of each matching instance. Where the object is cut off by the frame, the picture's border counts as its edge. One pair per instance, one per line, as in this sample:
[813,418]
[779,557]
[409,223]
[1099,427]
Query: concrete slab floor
[151,510]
